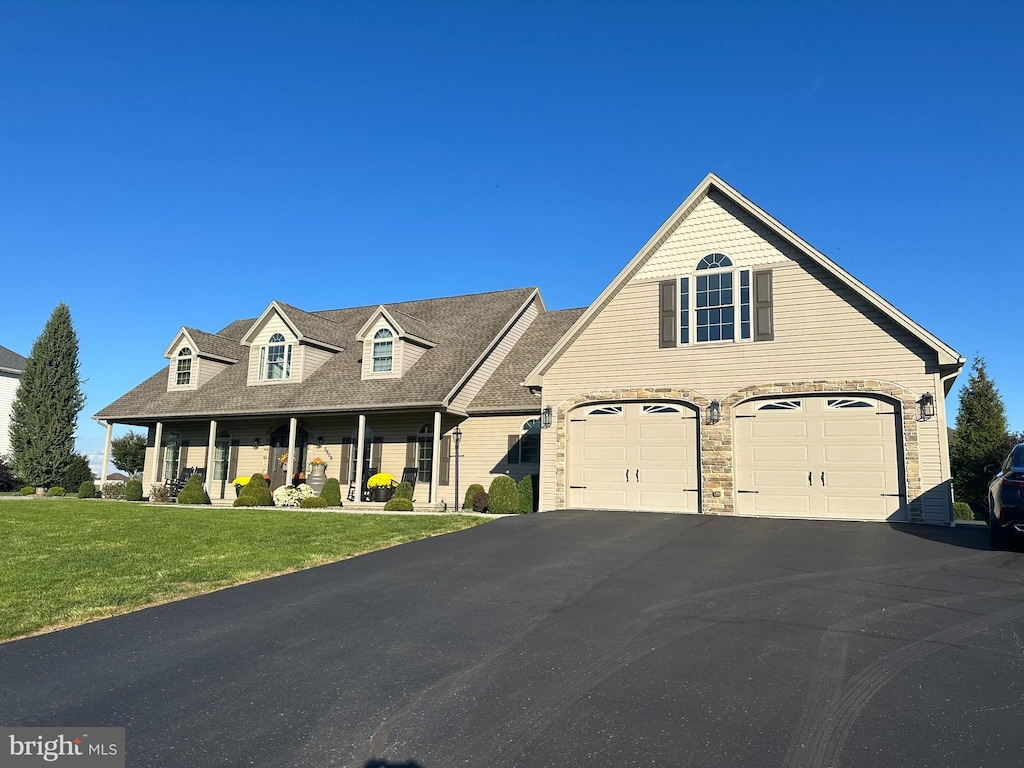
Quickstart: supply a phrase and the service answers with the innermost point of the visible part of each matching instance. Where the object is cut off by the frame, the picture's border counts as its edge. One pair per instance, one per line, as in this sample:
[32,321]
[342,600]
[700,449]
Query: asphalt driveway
[570,639]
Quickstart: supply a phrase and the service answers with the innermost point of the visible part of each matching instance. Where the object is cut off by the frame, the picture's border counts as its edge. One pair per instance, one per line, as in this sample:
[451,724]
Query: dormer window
[276,359]
[383,351]
[184,370]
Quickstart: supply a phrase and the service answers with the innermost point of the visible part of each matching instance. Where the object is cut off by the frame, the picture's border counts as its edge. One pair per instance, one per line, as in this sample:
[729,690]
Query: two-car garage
[814,456]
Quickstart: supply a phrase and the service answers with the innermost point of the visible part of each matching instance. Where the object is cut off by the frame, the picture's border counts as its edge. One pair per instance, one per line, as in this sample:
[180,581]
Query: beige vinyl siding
[484,450]
[312,358]
[8,393]
[207,369]
[271,325]
[409,355]
[823,331]
[490,364]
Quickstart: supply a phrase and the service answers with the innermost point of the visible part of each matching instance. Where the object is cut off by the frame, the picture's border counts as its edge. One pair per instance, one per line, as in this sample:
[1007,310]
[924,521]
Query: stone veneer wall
[716,440]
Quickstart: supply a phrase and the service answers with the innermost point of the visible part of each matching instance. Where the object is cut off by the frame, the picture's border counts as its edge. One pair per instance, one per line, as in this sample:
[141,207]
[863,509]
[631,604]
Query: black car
[1006,499]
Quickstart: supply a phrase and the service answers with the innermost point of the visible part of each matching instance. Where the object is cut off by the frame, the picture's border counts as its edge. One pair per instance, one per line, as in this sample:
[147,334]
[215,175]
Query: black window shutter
[233,460]
[411,444]
[446,461]
[346,460]
[182,457]
[668,321]
[764,327]
[513,449]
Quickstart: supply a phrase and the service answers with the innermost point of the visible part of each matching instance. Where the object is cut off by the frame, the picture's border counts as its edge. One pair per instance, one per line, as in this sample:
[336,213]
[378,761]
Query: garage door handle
[822,479]
[810,478]
[627,475]
[578,486]
[638,475]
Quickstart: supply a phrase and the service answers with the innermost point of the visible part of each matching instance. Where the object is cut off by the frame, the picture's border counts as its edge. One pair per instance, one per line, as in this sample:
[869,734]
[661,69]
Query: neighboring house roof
[504,391]
[947,356]
[11,362]
[464,327]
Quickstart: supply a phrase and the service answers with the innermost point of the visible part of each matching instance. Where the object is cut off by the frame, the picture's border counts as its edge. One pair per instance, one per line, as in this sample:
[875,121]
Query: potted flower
[240,483]
[382,486]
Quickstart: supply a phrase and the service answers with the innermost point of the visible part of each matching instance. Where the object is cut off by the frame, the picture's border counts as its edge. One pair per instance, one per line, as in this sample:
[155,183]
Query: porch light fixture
[926,407]
[255,443]
[714,412]
[545,418]
[320,441]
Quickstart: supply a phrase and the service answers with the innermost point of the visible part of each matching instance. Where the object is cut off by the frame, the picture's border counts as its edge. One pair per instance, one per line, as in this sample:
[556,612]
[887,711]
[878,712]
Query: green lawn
[65,561]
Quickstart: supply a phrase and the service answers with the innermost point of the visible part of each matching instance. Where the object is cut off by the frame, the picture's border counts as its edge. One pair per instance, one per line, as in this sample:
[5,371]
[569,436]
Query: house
[12,365]
[729,368]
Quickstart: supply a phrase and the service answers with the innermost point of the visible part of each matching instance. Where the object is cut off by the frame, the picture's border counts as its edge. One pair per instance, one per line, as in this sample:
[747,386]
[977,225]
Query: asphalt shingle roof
[11,361]
[503,391]
[410,324]
[315,327]
[213,344]
[461,326]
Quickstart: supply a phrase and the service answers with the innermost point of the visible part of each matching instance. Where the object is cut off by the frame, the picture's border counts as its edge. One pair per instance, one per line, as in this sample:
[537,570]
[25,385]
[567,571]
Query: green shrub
[404,490]
[133,490]
[87,490]
[28,490]
[245,501]
[480,501]
[398,504]
[962,511]
[525,491]
[159,494]
[472,491]
[8,480]
[193,492]
[256,491]
[55,491]
[331,492]
[314,502]
[113,490]
[503,496]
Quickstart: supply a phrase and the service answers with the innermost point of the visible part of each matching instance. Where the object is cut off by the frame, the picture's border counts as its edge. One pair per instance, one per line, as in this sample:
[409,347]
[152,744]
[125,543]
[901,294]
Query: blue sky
[169,164]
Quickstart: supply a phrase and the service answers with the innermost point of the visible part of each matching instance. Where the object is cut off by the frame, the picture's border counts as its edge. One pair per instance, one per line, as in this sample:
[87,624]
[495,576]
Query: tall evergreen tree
[45,411]
[980,438]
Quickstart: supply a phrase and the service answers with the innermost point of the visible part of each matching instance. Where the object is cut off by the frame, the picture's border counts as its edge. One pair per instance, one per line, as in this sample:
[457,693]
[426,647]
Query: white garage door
[831,457]
[640,456]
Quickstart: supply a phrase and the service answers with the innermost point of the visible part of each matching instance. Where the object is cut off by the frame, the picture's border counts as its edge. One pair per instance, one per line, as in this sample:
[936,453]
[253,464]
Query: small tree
[526,495]
[45,411]
[503,496]
[980,437]
[128,453]
[8,480]
[76,472]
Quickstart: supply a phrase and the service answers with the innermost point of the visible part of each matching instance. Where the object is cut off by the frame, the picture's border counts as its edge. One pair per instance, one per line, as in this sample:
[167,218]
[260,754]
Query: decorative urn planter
[317,478]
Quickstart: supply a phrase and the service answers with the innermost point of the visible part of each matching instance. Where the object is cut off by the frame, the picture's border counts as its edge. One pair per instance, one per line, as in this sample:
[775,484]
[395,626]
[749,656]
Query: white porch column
[293,425]
[210,449]
[106,453]
[360,448]
[157,438]
[435,457]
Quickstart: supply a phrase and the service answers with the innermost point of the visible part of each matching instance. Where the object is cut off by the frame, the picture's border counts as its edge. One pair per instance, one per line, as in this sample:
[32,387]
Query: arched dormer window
[719,308]
[383,351]
[184,369]
[276,359]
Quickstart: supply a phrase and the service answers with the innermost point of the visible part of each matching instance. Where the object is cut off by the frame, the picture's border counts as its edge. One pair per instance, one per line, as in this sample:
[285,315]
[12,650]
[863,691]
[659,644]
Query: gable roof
[947,355]
[407,326]
[307,326]
[505,391]
[464,327]
[11,362]
[207,345]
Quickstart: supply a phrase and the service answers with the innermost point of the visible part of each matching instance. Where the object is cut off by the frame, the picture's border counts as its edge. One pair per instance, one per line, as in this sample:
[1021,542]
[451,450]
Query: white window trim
[389,339]
[737,291]
[286,361]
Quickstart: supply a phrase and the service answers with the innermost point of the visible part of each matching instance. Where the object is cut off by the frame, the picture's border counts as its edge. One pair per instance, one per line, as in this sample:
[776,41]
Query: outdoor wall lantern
[545,418]
[255,443]
[714,412]
[320,441]
[926,407]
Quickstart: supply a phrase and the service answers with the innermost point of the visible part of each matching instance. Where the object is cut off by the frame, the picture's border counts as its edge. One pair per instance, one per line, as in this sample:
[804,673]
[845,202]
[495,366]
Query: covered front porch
[410,445]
